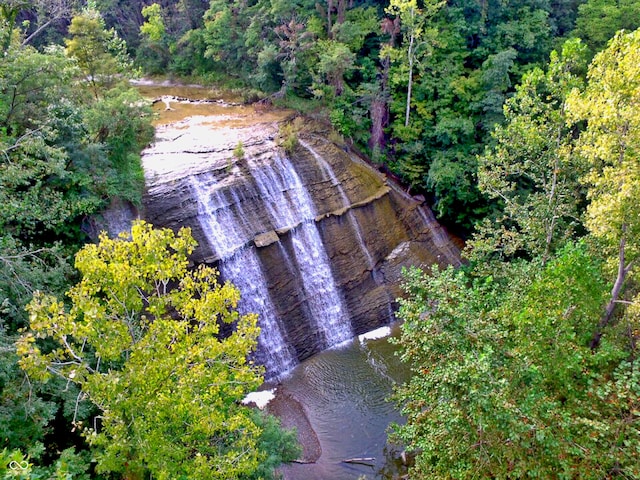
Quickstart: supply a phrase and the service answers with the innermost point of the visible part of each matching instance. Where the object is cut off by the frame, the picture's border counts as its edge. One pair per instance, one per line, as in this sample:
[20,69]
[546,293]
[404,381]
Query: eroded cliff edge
[230,169]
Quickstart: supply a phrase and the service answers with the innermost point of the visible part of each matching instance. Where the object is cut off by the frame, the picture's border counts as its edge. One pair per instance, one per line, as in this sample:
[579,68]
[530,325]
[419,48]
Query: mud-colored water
[209,105]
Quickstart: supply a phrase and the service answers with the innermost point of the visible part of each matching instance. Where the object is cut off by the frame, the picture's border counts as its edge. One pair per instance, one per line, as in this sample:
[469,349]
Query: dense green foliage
[505,384]
[525,361]
[64,155]
[419,85]
[149,356]
[71,132]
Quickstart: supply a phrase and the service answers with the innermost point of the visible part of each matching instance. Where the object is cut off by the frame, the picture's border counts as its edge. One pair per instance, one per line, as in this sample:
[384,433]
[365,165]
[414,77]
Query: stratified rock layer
[369,229]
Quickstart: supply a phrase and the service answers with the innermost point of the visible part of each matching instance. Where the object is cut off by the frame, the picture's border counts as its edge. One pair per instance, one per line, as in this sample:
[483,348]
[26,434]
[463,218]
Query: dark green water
[345,393]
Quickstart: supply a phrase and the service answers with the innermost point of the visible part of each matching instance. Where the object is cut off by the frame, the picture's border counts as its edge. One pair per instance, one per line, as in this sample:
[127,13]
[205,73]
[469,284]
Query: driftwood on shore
[370,461]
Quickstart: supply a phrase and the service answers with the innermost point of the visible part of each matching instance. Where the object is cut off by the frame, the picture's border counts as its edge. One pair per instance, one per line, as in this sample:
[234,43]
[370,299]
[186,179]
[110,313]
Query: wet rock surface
[228,167]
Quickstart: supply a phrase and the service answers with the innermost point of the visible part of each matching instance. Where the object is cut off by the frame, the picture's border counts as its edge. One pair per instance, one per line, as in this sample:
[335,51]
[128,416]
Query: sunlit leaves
[531,170]
[141,340]
[611,106]
[100,53]
[154,27]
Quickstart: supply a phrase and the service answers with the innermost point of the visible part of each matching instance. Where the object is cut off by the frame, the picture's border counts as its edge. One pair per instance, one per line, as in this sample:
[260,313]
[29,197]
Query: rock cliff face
[315,239]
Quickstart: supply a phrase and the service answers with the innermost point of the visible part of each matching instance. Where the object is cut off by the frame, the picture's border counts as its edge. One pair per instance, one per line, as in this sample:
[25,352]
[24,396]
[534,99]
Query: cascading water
[357,230]
[239,264]
[355,226]
[284,195]
[229,230]
[322,295]
[224,228]
[244,271]
[316,241]
[290,205]
[317,252]
[328,171]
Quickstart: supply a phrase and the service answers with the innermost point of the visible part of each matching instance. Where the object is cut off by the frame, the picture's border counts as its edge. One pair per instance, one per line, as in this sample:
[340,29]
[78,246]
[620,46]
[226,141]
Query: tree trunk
[379,119]
[380,110]
[552,204]
[342,8]
[410,56]
[615,292]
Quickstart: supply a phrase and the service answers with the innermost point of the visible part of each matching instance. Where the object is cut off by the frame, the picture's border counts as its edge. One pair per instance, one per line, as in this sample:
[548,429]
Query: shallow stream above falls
[316,241]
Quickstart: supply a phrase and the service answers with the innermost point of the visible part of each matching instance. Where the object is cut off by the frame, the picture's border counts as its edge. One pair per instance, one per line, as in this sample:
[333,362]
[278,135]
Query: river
[345,393]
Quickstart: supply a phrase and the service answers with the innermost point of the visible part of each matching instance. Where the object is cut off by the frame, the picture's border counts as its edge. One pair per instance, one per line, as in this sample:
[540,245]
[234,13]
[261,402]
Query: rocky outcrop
[259,197]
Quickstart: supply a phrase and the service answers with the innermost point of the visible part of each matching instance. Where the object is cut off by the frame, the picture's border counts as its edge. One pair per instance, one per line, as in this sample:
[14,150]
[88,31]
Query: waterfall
[328,172]
[225,233]
[244,271]
[322,295]
[316,241]
[290,205]
[226,229]
[355,226]
[230,229]
[284,195]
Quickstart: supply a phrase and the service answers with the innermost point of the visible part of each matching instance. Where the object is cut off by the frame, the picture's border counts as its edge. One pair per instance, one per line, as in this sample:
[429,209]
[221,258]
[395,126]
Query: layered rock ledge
[229,167]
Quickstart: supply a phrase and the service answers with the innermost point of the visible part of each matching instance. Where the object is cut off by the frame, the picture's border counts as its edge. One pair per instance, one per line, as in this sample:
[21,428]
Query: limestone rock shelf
[262,200]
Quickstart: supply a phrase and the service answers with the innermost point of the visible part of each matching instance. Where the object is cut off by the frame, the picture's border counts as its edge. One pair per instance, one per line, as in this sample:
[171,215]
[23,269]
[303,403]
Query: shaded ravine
[271,221]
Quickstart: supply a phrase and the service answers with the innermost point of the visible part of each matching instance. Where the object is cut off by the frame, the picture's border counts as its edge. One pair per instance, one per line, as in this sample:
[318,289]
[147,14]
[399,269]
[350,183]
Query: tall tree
[141,341]
[419,36]
[504,383]
[100,52]
[56,171]
[610,143]
[531,170]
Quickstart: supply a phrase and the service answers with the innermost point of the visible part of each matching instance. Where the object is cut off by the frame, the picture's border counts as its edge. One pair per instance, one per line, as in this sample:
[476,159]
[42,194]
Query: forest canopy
[517,121]
[525,361]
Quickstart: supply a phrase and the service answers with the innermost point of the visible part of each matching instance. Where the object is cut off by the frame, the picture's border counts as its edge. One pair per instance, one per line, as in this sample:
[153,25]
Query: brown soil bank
[292,415]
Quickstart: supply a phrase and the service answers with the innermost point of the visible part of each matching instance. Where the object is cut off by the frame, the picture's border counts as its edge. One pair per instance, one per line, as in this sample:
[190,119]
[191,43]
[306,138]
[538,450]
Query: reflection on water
[345,393]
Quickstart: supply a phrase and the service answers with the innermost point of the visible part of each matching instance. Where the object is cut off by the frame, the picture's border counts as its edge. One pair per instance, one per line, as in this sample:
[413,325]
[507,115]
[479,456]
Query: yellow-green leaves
[100,53]
[610,105]
[153,27]
[610,144]
[531,170]
[141,340]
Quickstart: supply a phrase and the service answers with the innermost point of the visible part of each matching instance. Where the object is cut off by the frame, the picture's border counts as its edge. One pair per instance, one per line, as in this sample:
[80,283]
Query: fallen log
[369,461]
